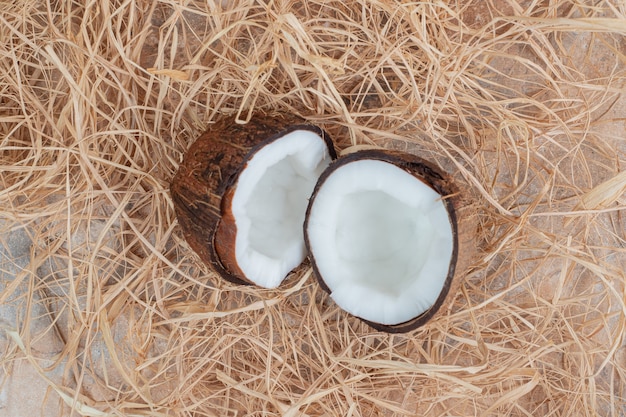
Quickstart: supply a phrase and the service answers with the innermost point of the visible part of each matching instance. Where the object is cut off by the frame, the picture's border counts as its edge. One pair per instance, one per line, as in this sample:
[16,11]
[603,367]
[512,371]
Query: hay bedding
[522,101]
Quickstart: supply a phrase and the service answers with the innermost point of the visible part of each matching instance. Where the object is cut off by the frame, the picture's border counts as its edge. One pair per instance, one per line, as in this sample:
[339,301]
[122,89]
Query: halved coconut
[383,237]
[241,195]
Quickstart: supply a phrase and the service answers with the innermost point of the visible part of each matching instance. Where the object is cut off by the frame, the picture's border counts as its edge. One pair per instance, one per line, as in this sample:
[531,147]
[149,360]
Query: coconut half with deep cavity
[241,194]
[388,235]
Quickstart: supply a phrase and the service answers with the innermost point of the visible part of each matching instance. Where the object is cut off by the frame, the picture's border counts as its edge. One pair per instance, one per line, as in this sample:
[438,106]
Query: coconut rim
[238,277]
[434,178]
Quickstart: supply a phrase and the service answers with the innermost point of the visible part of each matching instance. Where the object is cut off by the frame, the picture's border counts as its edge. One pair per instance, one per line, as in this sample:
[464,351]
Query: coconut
[242,191]
[384,236]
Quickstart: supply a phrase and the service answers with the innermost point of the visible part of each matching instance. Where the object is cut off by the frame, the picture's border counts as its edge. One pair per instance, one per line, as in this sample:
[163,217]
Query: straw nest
[521,101]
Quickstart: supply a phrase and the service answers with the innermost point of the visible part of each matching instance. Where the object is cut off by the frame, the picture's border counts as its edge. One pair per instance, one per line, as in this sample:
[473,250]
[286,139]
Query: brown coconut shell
[203,188]
[460,212]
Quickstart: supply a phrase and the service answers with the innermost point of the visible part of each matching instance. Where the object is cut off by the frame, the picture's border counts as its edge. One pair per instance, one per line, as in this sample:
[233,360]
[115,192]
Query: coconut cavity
[270,202]
[381,241]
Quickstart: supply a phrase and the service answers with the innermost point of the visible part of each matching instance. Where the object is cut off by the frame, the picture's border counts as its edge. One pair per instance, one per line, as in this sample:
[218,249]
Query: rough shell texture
[462,218]
[203,188]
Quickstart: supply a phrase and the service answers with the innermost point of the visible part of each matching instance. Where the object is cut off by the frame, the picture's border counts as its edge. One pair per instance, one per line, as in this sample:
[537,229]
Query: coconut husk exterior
[462,219]
[203,188]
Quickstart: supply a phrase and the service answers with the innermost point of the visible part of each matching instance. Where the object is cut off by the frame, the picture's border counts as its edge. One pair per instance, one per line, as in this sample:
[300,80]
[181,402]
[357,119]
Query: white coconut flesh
[270,202]
[382,241]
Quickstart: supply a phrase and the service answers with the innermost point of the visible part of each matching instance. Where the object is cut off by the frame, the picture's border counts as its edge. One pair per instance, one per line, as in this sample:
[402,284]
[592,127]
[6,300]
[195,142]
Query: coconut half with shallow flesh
[242,191]
[385,237]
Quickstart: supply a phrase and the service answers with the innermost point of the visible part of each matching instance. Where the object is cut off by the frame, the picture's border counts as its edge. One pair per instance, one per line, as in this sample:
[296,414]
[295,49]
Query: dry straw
[520,100]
